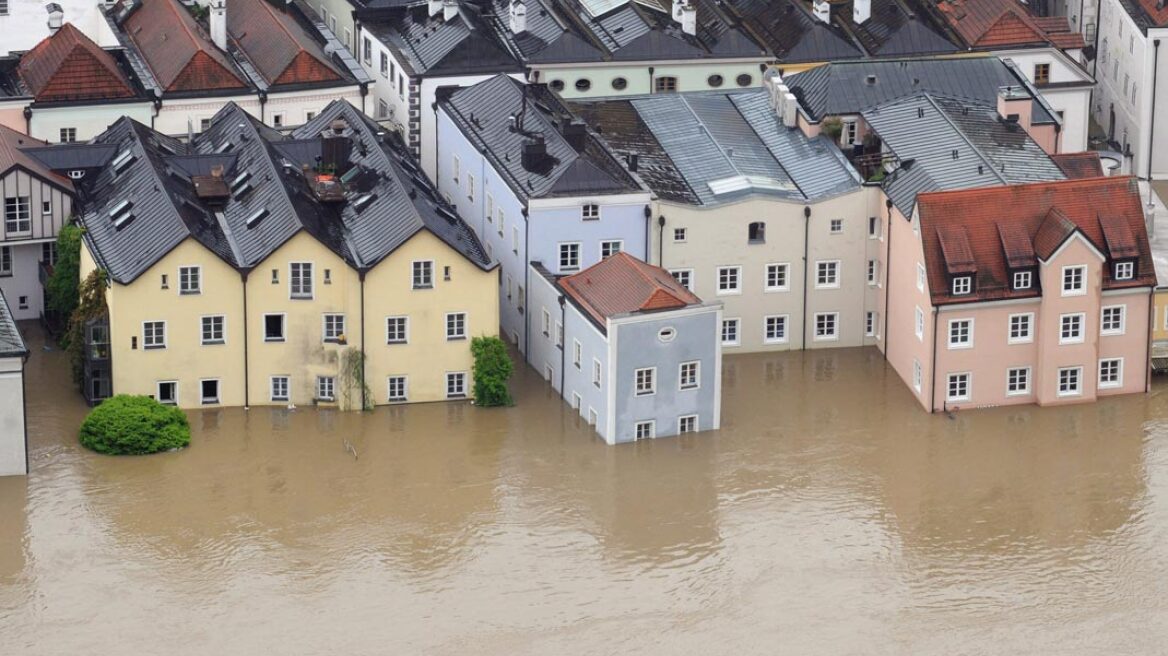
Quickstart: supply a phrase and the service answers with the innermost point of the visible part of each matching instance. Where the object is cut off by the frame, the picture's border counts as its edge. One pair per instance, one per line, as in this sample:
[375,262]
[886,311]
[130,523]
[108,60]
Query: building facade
[13,429]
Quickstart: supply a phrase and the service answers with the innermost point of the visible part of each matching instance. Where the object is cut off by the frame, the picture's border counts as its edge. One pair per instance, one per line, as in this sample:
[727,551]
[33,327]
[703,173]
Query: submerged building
[13,429]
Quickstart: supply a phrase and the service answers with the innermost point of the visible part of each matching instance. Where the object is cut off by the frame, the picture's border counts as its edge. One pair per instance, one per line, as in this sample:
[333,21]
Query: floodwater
[828,516]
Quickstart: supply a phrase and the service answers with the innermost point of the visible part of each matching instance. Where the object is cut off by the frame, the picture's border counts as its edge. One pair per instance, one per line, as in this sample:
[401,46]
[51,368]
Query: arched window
[757,233]
[583,84]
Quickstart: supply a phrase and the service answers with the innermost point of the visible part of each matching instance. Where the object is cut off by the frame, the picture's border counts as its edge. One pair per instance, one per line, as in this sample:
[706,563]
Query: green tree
[492,370]
[90,306]
[61,289]
[134,425]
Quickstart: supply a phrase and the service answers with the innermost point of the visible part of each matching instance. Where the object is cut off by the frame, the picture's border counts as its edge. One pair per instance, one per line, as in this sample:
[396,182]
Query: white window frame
[873,272]
[1103,330]
[275,398]
[422,271]
[697,375]
[577,353]
[147,345]
[405,320]
[682,422]
[785,320]
[650,373]
[215,400]
[829,270]
[687,274]
[962,285]
[461,332]
[293,280]
[1078,390]
[949,379]
[1029,322]
[650,431]
[835,324]
[1025,391]
[784,268]
[916,375]
[836,227]
[572,250]
[870,323]
[185,275]
[329,334]
[1023,276]
[325,384]
[1118,382]
[1068,271]
[405,396]
[968,342]
[283,327]
[607,244]
[203,329]
[731,321]
[590,212]
[1125,270]
[597,372]
[459,376]
[684,234]
[735,274]
[1082,324]
[921,276]
[919,323]
[158,392]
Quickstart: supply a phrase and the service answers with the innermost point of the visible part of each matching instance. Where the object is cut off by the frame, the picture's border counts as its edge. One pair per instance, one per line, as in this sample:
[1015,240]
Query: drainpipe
[933,367]
[526,279]
[563,345]
[887,270]
[246,376]
[651,70]
[661,240]
[1148,344]
[648,232]
[157,103]
[806,231]
[28,120]
[361,279]
[263,96]
[1152,121]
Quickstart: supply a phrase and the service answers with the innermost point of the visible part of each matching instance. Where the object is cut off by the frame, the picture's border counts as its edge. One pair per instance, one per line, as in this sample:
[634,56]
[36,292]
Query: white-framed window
[153,334]
[397,389]
[397,330]
[273,327]
[920,277]
[189,280]
[837,226]
[1071,328]
[212,329]
[1021,328]
[67,135]
[958,387]
[687,424]
[775,329]
[679,235]
[590,212]
[873,227]
[1017,381]
[1022,279]
[490,208]
[729,280]
[456,325]
[872,272]
[777,279]
[919,323]
[826,326]
[333,328]
[645,381]
[689,375]
[515,239]
[17,215]
[326,388]
[456,385]
[1125,270]
[1074,280]
[576,400]
[570,256]
[1070,381]
[869,324]
[827,274]
[277,119]
[611,247]
[596,378]
[422,274]
[209,391]
[960,333]
[684,277]
[5,260]
[547,322]
[166,392]
[278,388]
[916,375]
[384,64]
[559,334]
[382,109]
[502,219]
[1112,320]
[1110,372]
[962,285]
[577,353]
[730,336]
[644,430]
[300,279]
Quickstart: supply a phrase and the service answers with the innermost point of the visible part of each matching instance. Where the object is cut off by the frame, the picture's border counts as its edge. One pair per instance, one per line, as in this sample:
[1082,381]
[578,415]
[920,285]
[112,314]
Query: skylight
[256,217]
[123,160]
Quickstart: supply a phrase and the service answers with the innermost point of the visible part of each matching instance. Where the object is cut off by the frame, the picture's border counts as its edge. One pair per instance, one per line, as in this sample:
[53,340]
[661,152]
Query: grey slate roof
[431,45]
[482,112]
[787,28]
[946,143]
[11,343]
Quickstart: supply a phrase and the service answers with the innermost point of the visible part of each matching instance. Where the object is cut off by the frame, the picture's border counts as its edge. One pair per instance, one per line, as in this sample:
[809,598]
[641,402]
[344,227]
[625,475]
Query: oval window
[556,85]
[619,83]
[715,80]
[745,80]
[583,84]
[666,334]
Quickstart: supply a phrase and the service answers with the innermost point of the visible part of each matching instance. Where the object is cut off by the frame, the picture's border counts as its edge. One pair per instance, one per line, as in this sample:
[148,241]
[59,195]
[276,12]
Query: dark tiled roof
[894,28]
[11,343]
[1079,165]
[622,284]
[17,150]
[69,66]
[176,49]
[429,44]
[789,31]
[1007,225]
[277,45]
[990,24]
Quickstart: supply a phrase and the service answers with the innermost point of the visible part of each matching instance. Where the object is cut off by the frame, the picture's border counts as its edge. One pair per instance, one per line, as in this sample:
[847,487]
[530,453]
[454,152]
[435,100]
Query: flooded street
[828,516]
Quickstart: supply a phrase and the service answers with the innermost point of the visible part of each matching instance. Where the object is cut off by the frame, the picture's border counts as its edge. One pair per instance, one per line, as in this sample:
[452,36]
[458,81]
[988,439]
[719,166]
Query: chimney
[449,9]
[56,17]
[822,10]
[575,133]
[1014,106]
[790,110]
[335,149]
[435,6]
[518,17]
[689,19]
[218,21]
[534,153]
[861,11]
[677,5]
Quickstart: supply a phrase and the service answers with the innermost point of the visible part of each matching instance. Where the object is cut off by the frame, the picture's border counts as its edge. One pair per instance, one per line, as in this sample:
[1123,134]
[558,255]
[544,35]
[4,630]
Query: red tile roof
[12,154]
[621,284]
[955,249]
[1010,225]
[1156,12]
[69,66]
[1079,165]
[1003,23]
[179,53]
[277,45]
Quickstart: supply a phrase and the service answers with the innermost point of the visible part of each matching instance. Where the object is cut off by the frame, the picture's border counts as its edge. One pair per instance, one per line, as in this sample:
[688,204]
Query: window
[1125,270]
[775,329]
[873,227]
[212,329]
[278,388]
[596,372]
[275,276]
[590,212]
[960,333]
[715,81]
[22,302]
[1042,74]
[1070,381]
[869,324]
[397,389]
[916,375]
[837,226]
[1111,372]
[619,83]
[827,274]
[209,391]
[1020,328]
[68,135]
[46,209]
[334,327]
[396,330]
[300,279]
[826,326]
[776,277]
[848,135]
[577,352]
[730,332]
[470,187]
[610,247]
[679,234]
[570,256]
[687,377]
[756,233]
[728,279]
[382,108]
[367,50]
[204,124]
[273,327]
[167,392]
[456,325]
[3,7]
[872,272]
[547,323]
[49,253]
[920,277]
[958,388]
[1022,279]
[559,334]
[684,277]
[744,80]
[665,84]
[384,65]
[326,388]
[576,400]
[189,280]
[1112,321]
[456,168]
[1017,381]
[645,381]
[962,285]
[644,430]
[423,274]
[919,323]
[17,219]
[583,84]
[515,240]
[1071,328]
[154,334]
[5,260]
[1073,280]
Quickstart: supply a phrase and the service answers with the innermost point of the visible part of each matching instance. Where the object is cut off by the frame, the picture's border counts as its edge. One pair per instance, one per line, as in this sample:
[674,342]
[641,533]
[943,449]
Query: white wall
[13,454]
[26,23]
[293,105]
[1073,102]
[24,283]
[88,120]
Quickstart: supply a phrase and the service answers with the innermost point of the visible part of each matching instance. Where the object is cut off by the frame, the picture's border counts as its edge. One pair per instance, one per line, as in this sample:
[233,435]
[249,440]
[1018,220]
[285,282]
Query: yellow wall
[1160,318]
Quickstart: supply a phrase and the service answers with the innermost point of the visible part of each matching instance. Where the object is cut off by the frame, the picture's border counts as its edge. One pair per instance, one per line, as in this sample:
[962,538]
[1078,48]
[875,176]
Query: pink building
[1035,293]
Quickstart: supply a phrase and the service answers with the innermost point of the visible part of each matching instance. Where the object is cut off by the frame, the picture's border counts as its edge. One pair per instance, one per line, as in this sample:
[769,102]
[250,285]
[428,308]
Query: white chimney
[689,19]
[790,110]
[677,5]
[518,17]
[822,10]
[218,21]
[449,9]
[435,6]
[861,11]
[56,17]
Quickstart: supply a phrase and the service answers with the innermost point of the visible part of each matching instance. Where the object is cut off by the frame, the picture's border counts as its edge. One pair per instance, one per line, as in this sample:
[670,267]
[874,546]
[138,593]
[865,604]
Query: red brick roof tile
[1156,12]
[1079,165]
[179,53]
[277,45]
[1118,236]
[955,249]
[621,284]
[1002,23]
[1052,232]
[69,66]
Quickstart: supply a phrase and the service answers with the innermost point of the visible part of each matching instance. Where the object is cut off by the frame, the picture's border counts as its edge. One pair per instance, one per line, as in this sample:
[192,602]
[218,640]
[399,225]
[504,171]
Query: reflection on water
[828,516]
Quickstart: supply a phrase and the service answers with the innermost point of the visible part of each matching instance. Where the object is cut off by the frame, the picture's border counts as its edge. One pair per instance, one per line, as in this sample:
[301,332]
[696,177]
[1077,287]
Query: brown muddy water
[828,516]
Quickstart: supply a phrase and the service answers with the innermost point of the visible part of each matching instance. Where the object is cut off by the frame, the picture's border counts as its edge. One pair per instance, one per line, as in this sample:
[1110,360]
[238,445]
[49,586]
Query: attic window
[256,217]
[962,285]
[122,161]
[363,201]
[1022,279]
[1125,270]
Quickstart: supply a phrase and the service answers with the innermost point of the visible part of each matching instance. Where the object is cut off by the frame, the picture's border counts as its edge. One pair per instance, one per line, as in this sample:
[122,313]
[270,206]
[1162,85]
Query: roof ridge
[1100,181]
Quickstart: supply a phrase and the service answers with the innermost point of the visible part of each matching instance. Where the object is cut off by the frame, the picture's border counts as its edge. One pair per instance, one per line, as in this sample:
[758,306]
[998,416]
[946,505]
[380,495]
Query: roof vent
[871,79]
[363,201]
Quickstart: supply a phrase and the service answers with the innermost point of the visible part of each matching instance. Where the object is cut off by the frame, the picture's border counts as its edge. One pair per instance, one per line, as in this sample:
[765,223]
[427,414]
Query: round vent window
[619,83]
[715,80]
[666,334]
[556,85]
[745,80]
[583,84]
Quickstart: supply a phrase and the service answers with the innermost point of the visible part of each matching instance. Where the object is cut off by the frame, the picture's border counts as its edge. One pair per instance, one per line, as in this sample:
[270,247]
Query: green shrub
[134,425]
[492,370]
[61,289]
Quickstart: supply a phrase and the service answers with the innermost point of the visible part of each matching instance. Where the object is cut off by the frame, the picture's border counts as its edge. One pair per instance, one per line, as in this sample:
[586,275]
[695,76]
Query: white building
[13,430]
[24,23]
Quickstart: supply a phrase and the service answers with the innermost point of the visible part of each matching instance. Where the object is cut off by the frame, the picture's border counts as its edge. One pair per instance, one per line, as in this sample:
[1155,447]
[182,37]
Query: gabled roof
[15,152]
[1079,165]
[1015,226]
[894,28]
[69,66]
[622,284]
[178,52]
[11,343]
[279,47]
[788,30]
[426,44]
[993,24]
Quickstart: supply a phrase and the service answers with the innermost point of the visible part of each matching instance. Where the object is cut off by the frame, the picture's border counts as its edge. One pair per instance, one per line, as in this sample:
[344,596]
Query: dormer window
[1125,270]
[1022,279]
[962,285]
[756,233]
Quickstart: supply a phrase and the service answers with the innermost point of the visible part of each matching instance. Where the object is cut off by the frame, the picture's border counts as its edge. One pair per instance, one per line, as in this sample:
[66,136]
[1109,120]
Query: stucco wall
[13,453]
[692,75]
[578,379]
[88,120]
[901,344]
[23,288]
[543,354]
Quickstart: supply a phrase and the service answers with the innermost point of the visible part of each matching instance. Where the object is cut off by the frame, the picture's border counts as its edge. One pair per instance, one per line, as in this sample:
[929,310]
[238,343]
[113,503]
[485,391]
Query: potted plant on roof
[832,127]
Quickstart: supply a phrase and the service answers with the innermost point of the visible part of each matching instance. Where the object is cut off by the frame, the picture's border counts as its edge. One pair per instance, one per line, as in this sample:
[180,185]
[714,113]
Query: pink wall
[991,355]
[12,116]
[900,343]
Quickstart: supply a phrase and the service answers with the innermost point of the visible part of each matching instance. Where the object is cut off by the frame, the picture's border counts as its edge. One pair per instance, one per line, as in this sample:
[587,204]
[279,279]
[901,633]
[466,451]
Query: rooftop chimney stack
[518,16]
[677,5]
[689,19]
[535,153]
[56,17]
[861,11]
[575,133]
[822,10]
[435,6]
[218,21]
[449,9]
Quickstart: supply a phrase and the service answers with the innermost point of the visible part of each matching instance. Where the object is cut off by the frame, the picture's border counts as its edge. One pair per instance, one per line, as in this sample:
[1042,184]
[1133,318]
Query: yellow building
[248,268]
